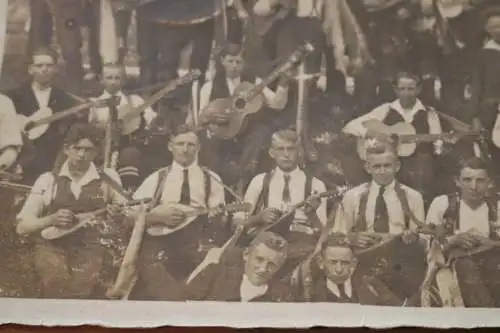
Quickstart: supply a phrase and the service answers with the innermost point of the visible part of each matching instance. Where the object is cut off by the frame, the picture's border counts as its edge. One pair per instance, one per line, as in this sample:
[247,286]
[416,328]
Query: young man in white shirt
[244,276]
[173,257]
[385,205]
[469,217]
[417,170]
[131,144]
[70,266]
[272,194]
[233,159]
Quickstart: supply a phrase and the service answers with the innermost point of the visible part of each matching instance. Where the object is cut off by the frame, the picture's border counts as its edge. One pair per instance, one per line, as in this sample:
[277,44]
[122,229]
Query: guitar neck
[61,115]
[431,137]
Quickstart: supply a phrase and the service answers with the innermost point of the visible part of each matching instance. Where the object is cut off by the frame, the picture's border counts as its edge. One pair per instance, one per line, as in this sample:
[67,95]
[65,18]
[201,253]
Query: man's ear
[367,168]
[169,146]
[271,153]
[246,254]
[398,166]
[319,261]
[30,69]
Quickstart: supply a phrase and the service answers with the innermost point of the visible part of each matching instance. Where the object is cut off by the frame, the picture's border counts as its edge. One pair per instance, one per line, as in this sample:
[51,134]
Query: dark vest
[420,122]
[220,88]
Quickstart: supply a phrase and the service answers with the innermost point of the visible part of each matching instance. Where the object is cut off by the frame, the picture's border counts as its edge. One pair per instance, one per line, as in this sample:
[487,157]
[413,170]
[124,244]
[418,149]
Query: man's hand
[409,237]
[464,240]
[312,206]
[363,239]
[63,218]
[114,212]
[269,215]
[168,216]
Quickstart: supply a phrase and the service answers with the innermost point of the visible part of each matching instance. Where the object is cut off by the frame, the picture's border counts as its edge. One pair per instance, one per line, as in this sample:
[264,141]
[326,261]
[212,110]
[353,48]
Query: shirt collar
[37,90]
[106,94]
[249,288]
[333,287]
[177,167]
[376,187]
[491,45]
[90,175]
[396,105]
[295,172]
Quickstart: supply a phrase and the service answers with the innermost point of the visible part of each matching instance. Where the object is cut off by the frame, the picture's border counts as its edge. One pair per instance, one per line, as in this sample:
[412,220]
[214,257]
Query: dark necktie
[343,294]
[185,193]
[286,189]
[381,223]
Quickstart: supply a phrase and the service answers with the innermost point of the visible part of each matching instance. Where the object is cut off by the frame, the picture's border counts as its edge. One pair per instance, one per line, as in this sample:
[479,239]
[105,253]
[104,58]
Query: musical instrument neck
[61,115]
[433,137]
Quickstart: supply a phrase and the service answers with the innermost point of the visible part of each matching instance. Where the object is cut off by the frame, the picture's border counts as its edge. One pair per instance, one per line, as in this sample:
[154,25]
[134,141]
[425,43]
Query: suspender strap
[408,213]
[262,200]
[114,185]
[308,186]
[361,218]
[207,185]
[451,215]
[162,178]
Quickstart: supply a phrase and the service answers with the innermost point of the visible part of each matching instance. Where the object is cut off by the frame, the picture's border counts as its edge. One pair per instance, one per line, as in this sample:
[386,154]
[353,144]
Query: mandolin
[191,214]
[84,220]
[247,98]
[406,135]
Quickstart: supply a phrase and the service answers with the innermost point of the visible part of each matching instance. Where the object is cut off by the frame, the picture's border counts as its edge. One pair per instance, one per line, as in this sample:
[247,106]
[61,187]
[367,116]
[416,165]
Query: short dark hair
[47,51]
[407,75]
[474,163]
[271,240]
[336,239]
[381,146]
[82,131]
[287,135]
[182,129]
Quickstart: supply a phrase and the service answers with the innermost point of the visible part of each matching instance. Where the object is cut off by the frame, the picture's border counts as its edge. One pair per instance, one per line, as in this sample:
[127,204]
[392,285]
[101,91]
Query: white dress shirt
[470,220]
[173,184]
[297,189]
[101,115]
[348,211]
[10,131]
[356,127]
[44,190]
[248,291]
[334,288]
[275,100]
[42,96]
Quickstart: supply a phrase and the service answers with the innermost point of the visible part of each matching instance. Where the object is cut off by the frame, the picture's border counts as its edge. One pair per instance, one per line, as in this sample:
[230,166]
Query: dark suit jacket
[49,144]
[222,281]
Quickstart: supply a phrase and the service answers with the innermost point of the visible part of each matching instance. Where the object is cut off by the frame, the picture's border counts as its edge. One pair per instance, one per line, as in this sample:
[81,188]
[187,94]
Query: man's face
[382,167]
[43,69]
[285,154]
[184,148]
[473,184]
[233,65]
[261,263]
[407,90]
[493,27]
[113,79]
[338,263]
[81,154]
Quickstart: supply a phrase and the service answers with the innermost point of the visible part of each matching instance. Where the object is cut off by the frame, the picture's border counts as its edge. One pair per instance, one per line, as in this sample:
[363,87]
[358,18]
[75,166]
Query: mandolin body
[238,107]
[34,132]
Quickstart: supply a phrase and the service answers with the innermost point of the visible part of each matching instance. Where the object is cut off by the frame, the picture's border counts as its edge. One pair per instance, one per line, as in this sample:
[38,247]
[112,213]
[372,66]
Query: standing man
[417,170]
[468,216]
[240,157]
[164,260]
[35,96]
[70,266]
[384,205]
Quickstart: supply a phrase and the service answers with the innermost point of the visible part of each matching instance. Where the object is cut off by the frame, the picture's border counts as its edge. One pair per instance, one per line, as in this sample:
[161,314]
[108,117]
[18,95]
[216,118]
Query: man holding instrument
[218,153]
[41,96]
[130,145]
[70,266]
[417,170]
[469,217]
[274,193]
[386,206]
[165,259]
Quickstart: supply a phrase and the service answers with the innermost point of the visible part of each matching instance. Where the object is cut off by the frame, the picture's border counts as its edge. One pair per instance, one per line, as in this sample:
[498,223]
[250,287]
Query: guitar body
[163,230]
[53,233]
[404,149]
[34,133]
[128,124]
[238,107]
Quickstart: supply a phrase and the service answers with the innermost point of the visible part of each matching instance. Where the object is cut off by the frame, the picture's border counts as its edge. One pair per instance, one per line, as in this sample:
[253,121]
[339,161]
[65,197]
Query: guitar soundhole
[239,103]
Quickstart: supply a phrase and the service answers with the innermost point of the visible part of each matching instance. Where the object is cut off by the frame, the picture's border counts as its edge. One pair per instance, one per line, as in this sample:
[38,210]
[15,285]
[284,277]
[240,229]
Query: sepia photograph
[260,162]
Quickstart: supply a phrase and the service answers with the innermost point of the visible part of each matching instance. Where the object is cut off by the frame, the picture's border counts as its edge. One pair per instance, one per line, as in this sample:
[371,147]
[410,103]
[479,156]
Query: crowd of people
[258,173]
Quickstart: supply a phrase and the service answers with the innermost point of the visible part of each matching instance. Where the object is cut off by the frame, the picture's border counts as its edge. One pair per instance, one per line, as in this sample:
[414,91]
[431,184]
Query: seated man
[385,206]
[236,158]
[469,217]
[334,278]
[244,276]
[70,266]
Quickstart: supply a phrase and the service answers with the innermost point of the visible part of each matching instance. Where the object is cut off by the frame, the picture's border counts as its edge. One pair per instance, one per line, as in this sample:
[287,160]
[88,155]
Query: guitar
[129,119]
[191,214]
[407,137]
[247,98]
[83,220]
[38,123]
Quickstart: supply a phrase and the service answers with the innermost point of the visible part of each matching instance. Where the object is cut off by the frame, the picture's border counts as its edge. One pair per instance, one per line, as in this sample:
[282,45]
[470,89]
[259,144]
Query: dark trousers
[160,47]
[68,271]
[473,288]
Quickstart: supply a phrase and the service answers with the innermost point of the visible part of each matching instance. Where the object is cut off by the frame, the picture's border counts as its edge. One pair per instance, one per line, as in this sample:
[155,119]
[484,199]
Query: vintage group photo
[326,151]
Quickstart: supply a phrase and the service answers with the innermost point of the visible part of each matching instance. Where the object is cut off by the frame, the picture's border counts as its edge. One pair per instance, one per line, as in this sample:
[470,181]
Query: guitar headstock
[191,76]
